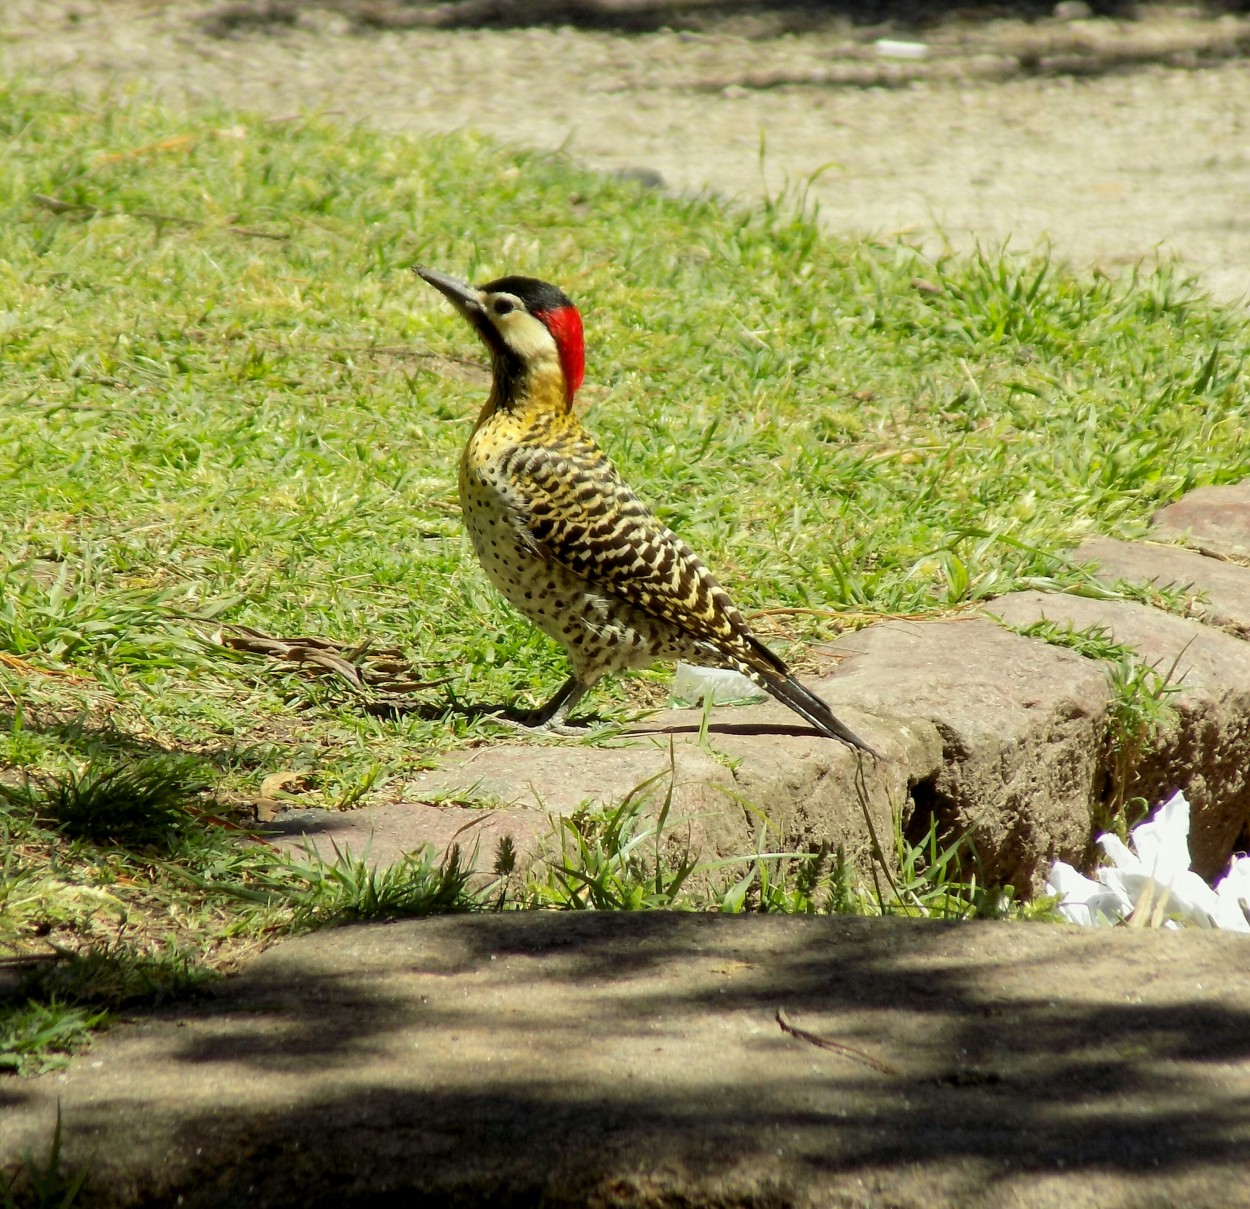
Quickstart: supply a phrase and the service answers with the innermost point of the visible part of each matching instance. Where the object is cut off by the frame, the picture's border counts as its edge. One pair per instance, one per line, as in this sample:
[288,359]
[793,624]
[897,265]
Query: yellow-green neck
[535,397]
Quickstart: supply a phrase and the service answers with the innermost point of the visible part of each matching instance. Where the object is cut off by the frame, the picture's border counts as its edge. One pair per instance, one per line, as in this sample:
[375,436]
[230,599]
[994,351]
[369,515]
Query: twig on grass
[838,1047]
[31,669]
[60,206]
[366,668]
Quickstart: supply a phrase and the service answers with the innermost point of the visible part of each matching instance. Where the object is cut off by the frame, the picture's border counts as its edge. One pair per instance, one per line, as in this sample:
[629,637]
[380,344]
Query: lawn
[225,401]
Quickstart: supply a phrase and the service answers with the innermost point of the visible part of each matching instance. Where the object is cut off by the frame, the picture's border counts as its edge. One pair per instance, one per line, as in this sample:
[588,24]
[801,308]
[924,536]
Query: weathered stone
[636,1060]
[1205,749]
[1216,520]
[997,736]
[760,780]
[1000,737]
[1021,726]
[1224,587]
[383,834]
[559,777]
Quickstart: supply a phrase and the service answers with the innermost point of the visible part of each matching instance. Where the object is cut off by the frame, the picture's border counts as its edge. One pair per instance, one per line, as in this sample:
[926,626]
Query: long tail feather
[771,674]
[807,705]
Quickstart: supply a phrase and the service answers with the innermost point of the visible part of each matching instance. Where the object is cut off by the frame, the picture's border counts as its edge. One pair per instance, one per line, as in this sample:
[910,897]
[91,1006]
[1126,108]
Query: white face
[524,335]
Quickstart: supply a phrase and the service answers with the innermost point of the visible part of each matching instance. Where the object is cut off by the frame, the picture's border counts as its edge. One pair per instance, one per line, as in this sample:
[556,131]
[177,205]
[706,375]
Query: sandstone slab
[1021,727]
[1205,749]
[385,833]
[994,735]
[1219,590]
[758,780]
[637,1060]
[1215,520]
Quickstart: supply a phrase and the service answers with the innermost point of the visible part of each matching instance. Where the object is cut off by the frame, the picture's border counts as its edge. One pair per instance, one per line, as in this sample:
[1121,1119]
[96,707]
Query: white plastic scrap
[1154,873]
[692,684]
[891,48]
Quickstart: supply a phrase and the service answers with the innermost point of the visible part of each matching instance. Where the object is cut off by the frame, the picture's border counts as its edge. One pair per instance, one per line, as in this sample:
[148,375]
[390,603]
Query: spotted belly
[601,633]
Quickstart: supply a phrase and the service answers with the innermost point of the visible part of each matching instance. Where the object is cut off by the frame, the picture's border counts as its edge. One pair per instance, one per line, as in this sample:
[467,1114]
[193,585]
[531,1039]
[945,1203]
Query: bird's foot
[532,723]
[536,722]
[550,719]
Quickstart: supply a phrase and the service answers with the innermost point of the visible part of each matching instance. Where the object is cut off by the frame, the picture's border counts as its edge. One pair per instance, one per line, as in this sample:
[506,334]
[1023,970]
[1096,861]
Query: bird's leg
[551,716]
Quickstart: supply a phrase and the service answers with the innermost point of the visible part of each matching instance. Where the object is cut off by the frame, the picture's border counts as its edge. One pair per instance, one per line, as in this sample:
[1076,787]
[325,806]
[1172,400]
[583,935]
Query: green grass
[134,802]
[225,401]
[36,1037]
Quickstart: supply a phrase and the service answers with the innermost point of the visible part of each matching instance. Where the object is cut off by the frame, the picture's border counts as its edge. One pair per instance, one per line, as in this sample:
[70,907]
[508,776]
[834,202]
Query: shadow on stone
[636,1059]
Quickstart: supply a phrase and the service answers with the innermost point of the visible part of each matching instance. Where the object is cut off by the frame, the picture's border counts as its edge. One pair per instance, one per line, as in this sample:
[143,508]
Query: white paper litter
[1154,874]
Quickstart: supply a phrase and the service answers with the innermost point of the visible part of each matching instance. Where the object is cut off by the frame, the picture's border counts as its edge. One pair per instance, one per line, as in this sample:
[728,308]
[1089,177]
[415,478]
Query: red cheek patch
[565,326]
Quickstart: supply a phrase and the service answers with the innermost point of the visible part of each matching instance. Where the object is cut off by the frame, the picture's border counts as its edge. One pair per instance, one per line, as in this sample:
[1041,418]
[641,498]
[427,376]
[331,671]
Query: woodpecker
[562,536]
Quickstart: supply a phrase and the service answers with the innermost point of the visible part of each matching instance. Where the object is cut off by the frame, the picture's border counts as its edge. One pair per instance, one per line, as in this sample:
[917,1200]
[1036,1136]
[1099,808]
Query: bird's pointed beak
[463,296]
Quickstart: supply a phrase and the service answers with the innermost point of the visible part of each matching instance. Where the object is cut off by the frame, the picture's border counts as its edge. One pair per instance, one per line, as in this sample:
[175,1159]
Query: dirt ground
[1111,139]
[648,1059]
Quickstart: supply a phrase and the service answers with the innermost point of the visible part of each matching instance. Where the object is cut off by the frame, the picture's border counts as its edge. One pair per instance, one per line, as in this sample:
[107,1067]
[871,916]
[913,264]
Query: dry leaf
[283,782]
[275,791]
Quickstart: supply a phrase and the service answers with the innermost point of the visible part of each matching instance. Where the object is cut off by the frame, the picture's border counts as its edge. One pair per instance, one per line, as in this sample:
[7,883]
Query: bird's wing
[575,509]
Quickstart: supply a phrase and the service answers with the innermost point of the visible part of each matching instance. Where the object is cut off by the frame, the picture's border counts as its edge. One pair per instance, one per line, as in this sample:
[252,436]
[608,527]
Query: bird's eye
[502,306]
